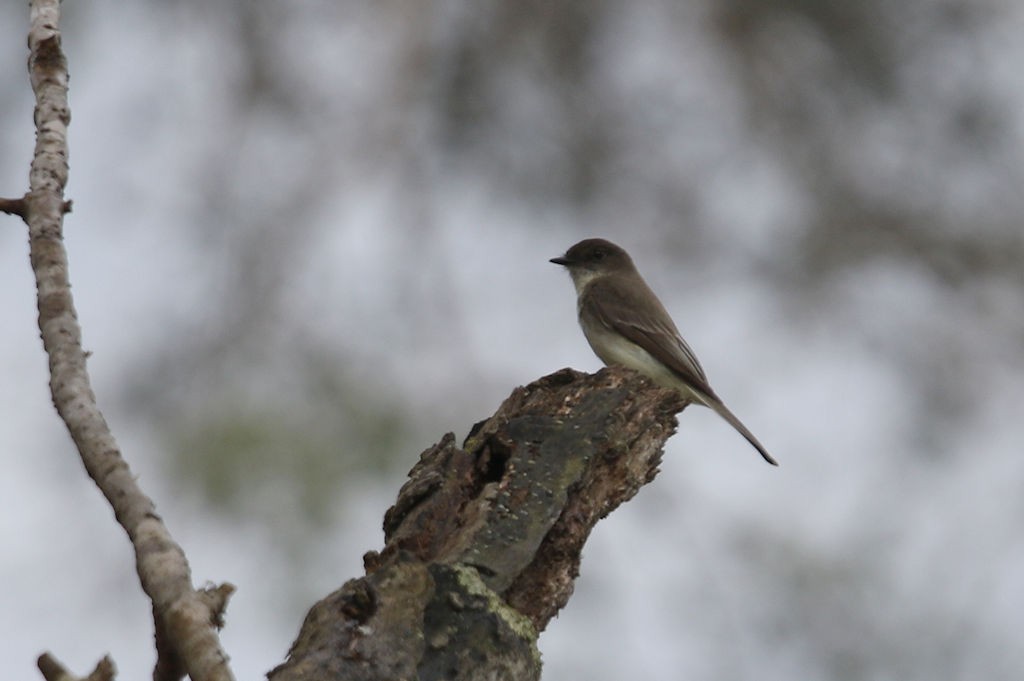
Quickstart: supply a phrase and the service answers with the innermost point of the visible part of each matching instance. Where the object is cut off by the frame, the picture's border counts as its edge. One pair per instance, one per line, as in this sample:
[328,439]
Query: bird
[625,324]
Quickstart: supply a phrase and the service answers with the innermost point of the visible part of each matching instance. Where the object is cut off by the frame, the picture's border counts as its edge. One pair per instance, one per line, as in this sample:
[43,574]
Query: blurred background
[310,238]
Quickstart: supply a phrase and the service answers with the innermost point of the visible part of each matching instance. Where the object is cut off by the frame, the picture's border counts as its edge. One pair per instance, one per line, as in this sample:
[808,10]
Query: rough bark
[482,546]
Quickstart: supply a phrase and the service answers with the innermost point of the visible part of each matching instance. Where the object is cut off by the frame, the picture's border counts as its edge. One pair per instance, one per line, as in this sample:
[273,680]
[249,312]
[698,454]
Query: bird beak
[561,260]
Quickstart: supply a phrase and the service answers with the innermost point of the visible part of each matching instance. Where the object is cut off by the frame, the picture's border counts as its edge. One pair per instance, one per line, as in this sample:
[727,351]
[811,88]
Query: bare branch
[184,618]
[13,207]
[19,207]
[54,671]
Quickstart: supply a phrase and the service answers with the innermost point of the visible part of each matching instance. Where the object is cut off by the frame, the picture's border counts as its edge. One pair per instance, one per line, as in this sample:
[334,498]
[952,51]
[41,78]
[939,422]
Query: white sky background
[723,568]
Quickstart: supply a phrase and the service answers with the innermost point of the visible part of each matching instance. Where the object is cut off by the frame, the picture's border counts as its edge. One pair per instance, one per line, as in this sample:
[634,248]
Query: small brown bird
[626,324]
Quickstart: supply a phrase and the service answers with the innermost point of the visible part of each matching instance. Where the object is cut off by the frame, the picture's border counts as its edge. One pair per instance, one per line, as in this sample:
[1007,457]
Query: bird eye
[599,255]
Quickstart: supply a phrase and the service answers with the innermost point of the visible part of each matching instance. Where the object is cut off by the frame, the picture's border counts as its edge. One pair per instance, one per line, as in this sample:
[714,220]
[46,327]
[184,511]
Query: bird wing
[617,308]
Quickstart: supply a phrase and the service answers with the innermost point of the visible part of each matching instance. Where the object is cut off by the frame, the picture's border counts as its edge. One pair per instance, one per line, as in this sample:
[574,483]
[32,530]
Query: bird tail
[719,407]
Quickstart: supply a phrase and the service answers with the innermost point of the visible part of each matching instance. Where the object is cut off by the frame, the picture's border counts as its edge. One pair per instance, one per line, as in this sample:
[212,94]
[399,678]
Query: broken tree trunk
[483,545]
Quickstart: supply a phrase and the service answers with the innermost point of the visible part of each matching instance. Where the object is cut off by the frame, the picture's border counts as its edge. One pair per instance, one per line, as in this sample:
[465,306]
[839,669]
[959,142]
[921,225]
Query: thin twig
[53,670]
[13,207]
